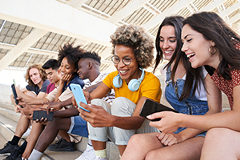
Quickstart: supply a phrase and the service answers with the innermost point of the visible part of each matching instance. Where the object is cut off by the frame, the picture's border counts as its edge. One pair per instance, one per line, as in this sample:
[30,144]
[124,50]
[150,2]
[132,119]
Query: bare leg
[97,145]
[22,125]
[64,135]
[140,144]
[51,131]
[186,150]
[37,129]
[221,144]
[122,149]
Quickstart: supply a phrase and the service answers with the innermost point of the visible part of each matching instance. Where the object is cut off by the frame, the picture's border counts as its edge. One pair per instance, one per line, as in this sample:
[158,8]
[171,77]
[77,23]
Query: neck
[57,83]
[40,84]
[93,75]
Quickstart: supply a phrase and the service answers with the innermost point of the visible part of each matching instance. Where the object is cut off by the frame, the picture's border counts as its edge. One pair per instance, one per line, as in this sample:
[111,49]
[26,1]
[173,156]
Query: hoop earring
[212,50]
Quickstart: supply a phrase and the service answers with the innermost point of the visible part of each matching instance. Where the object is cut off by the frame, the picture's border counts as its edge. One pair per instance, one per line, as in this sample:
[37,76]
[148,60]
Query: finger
[156,115]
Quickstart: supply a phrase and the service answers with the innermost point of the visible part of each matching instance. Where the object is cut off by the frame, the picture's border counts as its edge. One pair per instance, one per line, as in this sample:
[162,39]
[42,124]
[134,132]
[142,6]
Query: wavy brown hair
[213,27]
[42,73]
[138,39]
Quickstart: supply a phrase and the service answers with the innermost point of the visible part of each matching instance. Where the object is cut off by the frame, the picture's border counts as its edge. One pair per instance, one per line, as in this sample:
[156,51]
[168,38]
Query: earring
[212,50]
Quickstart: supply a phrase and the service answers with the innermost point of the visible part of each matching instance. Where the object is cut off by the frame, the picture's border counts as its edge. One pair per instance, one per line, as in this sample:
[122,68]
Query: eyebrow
[186,36]
[168,37]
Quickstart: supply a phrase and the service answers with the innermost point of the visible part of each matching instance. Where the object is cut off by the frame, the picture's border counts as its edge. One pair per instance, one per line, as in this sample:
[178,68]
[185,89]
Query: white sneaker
[88,154]
[26,134]
[100,158]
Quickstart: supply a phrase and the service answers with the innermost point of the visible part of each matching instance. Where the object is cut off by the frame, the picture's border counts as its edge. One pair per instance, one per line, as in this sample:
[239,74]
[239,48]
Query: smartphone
[78,94]
[150,107]
[42,114]
[15,94]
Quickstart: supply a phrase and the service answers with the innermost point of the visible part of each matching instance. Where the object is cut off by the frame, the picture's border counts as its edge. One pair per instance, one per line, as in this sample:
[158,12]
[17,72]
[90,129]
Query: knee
[137,140]
[216,133]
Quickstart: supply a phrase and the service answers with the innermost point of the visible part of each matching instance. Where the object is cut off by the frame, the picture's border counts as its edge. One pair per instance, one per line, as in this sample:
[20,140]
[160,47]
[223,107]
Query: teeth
[190,55]
[168,52]
[122,71]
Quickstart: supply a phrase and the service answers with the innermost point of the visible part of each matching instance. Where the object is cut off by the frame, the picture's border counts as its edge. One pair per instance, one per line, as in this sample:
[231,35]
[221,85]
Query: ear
[58,71]
[90,65]
[213,43]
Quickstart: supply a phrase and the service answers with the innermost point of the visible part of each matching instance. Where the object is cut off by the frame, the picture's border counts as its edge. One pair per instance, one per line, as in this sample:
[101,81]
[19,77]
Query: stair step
[8,124]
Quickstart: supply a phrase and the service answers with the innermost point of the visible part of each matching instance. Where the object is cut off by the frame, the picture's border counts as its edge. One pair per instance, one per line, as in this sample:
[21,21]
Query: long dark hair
[191,73]
[212,27]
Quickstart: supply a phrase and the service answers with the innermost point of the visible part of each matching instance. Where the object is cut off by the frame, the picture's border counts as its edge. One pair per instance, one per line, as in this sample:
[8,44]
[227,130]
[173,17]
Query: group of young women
[204,59]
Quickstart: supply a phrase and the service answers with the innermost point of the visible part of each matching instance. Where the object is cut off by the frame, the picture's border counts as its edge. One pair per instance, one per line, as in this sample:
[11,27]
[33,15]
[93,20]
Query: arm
[98,117]
[66,113]
[214,98]
[55,106]
[17,107]
[92,88]
[64,78]
[228,119]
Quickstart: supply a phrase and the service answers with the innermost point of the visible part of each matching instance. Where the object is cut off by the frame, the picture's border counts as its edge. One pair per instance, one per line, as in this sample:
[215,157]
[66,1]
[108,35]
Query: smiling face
[35,76]
[196,47]
[52,75]
[126,72]
[83,68]
[66,68]
[168,42]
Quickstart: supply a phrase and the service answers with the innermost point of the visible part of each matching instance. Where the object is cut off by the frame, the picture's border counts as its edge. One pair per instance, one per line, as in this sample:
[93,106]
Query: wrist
[112,121]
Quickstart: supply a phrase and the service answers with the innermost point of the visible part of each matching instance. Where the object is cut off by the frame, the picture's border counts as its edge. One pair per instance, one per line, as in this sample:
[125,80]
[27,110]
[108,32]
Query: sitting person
[88,68]
[36,88]
[67,60]
[132,51]
[185,91]
[208,41]
[53,75]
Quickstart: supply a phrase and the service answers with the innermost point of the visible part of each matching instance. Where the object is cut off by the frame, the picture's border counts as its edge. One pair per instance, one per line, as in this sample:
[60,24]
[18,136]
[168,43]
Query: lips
[123,72]
[168,52]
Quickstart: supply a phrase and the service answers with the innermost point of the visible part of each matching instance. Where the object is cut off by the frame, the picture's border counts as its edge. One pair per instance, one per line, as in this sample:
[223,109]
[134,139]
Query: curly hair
[91,55]
[138,39]
[42,73]
[71,53]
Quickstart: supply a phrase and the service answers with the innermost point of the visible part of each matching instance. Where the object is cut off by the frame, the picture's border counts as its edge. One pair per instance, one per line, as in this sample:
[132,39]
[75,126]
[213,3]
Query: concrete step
[11,114]
[8,123]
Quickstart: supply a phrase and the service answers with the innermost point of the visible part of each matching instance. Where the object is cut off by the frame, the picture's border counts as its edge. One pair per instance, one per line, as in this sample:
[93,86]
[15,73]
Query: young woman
[132,51]
[207,40]
[184,92]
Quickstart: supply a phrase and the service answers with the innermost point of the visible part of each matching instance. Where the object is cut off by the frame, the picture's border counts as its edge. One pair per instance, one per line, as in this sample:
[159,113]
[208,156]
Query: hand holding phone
[150,107]
[78,95]
[15,95]
[38,115]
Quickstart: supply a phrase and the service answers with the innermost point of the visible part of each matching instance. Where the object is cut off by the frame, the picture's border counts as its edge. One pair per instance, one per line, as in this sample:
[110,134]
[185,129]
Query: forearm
[133,122]
[35,101]
[66,113]
[59,91]
[228,119]
[66,102]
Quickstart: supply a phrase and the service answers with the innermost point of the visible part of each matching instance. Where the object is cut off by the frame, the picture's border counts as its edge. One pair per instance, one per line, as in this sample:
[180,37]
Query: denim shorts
[78,126]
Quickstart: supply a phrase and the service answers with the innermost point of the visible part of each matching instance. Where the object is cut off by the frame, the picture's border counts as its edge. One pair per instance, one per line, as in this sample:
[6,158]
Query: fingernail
[149,116]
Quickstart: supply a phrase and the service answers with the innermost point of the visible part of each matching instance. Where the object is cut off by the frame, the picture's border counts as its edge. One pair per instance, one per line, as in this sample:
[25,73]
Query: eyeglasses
[126,60]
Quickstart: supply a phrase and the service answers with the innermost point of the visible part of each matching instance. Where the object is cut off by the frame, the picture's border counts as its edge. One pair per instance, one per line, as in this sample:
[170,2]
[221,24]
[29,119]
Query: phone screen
[78,94]
[150,107]
[42,114]
[15,94]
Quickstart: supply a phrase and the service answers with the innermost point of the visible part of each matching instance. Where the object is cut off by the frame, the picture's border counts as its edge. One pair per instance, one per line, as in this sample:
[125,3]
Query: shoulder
[149,77]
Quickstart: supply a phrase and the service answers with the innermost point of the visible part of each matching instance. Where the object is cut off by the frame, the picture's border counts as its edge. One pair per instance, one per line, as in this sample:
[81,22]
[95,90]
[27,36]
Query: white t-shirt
[110,96]
[200,93]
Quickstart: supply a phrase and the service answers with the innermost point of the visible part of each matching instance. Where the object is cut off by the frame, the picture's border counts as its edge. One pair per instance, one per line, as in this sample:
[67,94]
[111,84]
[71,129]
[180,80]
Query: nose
[165,44]
[120,64]
[184,47]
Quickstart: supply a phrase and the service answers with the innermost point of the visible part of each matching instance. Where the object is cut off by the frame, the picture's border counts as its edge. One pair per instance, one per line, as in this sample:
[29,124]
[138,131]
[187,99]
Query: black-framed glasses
[126,60]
